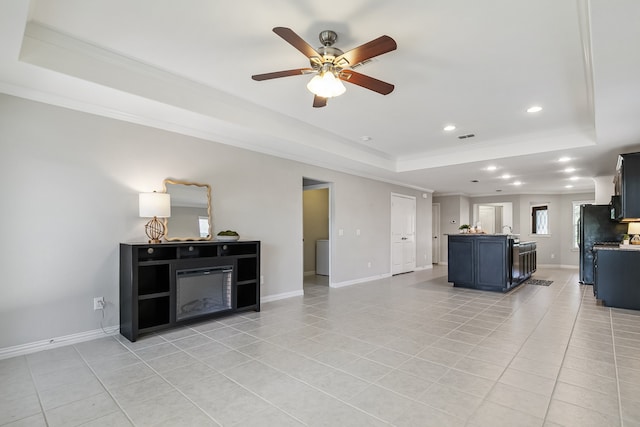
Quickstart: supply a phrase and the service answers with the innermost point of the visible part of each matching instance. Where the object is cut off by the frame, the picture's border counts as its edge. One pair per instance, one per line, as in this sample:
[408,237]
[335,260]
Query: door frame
[415,231]
[435,233]
[329,187]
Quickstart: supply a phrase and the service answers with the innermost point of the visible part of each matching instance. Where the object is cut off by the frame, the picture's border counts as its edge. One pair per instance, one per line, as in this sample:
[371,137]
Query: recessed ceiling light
[569,170]
[534,109]
[492,168]
[365,138]
[449,128]
[517,183]
[564,159]
[568,186]
[574,178]
[506,176]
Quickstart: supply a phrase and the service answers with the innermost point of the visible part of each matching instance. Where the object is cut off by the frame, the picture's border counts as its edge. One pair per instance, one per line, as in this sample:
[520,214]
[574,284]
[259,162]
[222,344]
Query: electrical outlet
[369,264]
[98,303]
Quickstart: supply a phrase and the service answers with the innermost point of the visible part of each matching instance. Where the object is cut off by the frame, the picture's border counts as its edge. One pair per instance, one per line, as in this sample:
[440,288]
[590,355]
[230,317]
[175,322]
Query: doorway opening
[316,234]
[494,217]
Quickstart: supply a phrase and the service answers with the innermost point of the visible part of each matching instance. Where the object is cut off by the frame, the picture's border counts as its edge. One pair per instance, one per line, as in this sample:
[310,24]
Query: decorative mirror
[190,211]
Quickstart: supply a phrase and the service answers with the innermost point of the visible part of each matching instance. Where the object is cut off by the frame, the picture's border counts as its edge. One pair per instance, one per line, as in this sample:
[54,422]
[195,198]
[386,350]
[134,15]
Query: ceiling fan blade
[366,82]
[296,41]
[285,73]
[382,44]
[319,101]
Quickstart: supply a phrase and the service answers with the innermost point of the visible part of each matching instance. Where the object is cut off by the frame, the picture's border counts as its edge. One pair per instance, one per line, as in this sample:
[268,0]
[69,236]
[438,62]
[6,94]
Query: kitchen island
[491,262]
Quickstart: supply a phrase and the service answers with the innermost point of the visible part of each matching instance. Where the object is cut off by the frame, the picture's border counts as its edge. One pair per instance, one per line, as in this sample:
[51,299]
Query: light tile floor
[405,351]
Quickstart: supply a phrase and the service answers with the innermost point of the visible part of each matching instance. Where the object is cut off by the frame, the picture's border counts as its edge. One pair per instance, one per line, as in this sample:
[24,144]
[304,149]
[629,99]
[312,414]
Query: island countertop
[515,237]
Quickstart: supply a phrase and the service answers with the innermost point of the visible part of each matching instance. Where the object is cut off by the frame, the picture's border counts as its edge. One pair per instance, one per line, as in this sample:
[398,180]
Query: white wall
[454,211]
[604,189]
[70,184]
[364,204]
[554,249]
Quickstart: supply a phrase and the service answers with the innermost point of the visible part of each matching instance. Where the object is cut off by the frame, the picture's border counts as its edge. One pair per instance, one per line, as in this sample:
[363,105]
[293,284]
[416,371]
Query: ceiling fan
[331,66]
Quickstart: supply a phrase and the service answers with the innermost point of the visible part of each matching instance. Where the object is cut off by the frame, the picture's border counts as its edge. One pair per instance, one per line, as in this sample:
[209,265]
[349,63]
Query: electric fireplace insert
[203,291]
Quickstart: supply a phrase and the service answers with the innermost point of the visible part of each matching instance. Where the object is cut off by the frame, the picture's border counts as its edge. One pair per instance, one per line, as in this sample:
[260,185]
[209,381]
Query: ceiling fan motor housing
[328,37]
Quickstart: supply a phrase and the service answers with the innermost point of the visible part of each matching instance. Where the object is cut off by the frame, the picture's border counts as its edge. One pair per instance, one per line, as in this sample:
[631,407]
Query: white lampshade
[154,204]
[326,85]
[634,228]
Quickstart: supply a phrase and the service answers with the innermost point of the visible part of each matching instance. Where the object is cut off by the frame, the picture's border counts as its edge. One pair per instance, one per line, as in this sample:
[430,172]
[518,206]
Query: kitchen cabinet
[627,187]
[616,281]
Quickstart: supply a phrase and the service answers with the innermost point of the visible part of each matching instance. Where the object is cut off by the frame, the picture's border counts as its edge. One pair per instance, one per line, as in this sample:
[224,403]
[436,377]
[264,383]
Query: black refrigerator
[595,226]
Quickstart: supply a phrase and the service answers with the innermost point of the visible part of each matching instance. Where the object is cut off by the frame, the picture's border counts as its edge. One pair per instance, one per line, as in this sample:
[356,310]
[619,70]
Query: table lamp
[154,205]
[634,230]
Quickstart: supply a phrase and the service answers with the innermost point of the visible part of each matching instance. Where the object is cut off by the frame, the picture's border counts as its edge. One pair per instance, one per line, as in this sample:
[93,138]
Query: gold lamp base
[155,230]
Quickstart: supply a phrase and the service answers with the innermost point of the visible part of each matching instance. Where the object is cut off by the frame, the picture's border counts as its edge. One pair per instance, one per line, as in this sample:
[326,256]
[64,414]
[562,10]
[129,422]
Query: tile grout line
[615,364]
[35,386]
[106,389]
[146,364]
[218,372]
[564,355]
[544,419]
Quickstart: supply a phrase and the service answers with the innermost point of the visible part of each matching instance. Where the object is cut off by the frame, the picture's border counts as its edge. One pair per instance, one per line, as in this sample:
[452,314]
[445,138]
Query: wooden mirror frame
[168,236]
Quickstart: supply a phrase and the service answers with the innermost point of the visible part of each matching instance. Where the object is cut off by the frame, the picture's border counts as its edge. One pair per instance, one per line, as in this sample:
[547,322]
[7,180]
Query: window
[540,219]
[575,237]
[203,225]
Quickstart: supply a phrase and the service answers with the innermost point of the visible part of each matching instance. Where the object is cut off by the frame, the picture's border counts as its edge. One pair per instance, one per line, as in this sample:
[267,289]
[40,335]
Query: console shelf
[148,281]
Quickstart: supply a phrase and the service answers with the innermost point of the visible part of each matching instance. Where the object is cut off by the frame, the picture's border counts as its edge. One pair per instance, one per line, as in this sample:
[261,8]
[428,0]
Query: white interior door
[435,233]
[403,234]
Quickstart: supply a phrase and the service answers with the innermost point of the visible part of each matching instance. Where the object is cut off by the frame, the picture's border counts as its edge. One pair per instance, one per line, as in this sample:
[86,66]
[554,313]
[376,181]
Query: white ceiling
[186,66]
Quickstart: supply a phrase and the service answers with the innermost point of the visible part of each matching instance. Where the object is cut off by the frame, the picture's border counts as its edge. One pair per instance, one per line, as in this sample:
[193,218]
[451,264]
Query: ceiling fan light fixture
[326,85]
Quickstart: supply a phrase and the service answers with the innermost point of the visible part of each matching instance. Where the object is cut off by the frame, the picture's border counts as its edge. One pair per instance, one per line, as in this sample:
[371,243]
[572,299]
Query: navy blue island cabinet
[491,262]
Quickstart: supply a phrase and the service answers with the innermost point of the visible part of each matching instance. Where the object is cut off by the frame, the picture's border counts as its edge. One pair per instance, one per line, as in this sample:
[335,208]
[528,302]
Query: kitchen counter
[616,248]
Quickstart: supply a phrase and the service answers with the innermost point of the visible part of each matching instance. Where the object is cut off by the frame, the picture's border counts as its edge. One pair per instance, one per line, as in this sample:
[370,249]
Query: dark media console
[170,284]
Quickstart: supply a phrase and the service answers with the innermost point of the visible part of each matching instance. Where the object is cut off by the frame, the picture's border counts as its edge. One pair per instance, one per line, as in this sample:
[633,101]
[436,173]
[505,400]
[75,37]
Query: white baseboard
[19,350]
[283,295]
[427,267]
[310,273]
[48,344]
[356,281]
[564,266]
